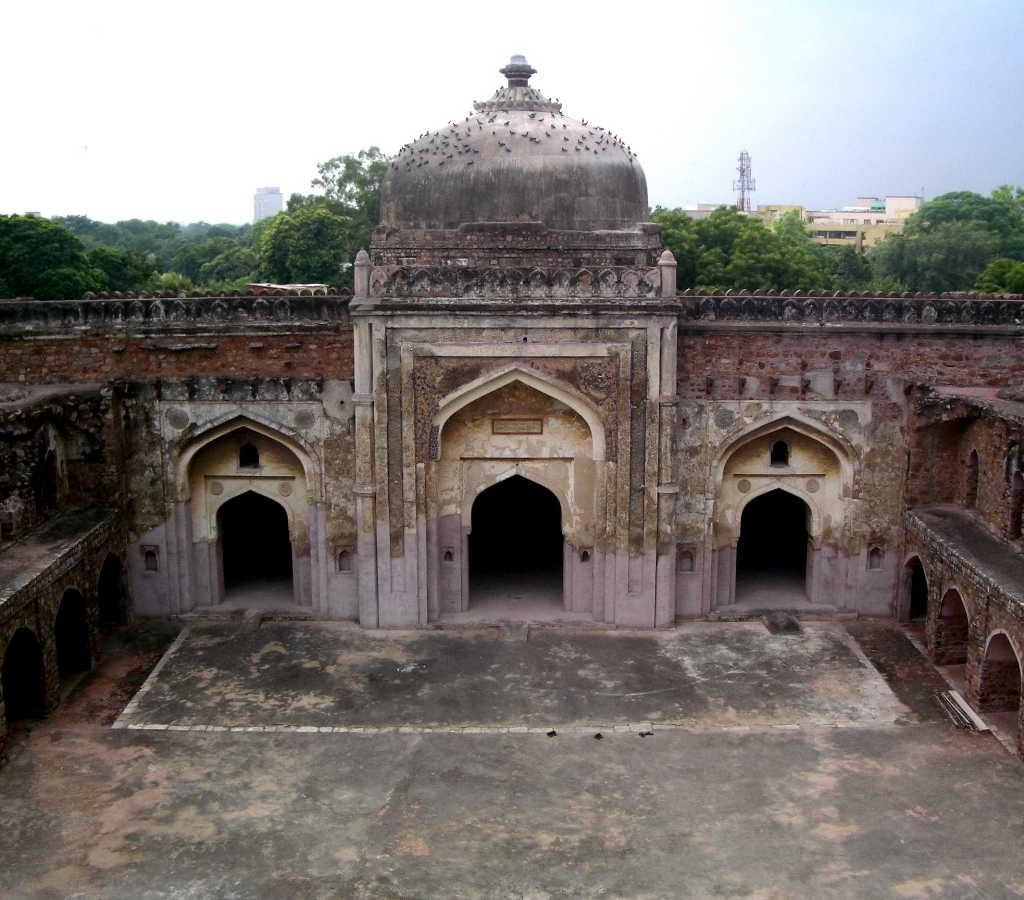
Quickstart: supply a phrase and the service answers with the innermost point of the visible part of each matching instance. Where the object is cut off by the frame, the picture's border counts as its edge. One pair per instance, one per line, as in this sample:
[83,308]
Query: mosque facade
[515,416]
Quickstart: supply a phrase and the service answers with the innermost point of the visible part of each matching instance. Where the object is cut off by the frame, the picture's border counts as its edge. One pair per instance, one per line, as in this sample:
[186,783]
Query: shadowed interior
[255,545]
[516,540]
[772,553]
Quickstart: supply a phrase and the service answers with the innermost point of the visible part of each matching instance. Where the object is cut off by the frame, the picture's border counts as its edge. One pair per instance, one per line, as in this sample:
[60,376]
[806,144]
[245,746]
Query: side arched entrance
[781,500]
[772,554]
[22,678]
[248,517]
[72,637]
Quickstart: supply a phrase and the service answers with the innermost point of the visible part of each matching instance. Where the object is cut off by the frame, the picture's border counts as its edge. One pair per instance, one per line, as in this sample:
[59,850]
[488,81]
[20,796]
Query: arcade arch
[999,684]
[22,678]
[109,592]
[913,591]
[951,630]
[71,635]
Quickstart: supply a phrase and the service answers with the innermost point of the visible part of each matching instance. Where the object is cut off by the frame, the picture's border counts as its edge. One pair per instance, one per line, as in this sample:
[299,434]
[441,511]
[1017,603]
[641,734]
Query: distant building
[267,201]
[870,221]
[866,223]
[698,211]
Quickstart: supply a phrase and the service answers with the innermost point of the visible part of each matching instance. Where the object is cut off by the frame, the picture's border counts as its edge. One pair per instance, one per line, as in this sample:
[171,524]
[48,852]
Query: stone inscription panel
[517,426]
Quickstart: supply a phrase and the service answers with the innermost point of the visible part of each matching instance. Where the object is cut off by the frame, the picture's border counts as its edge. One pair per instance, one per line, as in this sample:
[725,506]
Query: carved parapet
[894,310]
[169,312]
[502,283]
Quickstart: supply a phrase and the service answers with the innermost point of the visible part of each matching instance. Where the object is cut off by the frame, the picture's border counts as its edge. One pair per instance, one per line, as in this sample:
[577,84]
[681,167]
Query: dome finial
[518,71]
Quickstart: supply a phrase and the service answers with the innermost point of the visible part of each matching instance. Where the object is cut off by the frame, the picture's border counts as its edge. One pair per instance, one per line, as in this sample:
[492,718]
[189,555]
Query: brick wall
[50,360]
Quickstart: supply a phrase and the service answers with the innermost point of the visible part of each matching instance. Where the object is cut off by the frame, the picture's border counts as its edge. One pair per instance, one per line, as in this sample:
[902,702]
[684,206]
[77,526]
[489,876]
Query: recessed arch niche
[513,424]
[811,491]
[219,480]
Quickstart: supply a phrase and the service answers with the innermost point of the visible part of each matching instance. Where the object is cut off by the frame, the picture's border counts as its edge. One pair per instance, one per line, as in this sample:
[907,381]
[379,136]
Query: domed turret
[516,159]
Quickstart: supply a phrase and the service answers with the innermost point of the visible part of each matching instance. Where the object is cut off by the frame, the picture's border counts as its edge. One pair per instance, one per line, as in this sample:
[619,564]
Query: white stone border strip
[132,708]
[573,729]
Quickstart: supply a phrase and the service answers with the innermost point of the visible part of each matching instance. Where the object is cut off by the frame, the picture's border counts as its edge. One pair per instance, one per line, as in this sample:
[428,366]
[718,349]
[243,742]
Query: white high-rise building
[267,201]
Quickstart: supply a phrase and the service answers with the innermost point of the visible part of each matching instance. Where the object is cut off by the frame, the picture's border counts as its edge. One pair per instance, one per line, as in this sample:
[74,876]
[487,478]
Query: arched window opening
[255,550]
[685,561]
[71,633]
[876,556]
[248,457]
[150,559]
[109,591]
[1016,505]
[584,556]
[915,591]
[780,454]
[22,678]
[949,641]
[516,547]
[971,491]
[771,562]
[344,561]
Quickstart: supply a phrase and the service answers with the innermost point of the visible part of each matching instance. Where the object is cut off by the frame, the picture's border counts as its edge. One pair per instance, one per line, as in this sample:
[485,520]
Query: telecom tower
[745,184]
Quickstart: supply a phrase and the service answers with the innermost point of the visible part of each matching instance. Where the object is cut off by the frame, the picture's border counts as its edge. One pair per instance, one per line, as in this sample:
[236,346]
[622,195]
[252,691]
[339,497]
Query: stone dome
[516,158]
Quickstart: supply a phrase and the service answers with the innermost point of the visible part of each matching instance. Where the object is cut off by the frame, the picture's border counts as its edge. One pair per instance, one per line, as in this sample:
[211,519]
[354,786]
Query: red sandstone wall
[117,358]
[859,360]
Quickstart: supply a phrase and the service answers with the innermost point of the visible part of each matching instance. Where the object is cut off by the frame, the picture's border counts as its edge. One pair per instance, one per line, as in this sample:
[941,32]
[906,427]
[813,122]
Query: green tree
[845,269]
[679,235]
[43,259]
[230,266]
[1002,276]
[945,257]
[125,270]
[310,245]
[998,216]
[1012,194]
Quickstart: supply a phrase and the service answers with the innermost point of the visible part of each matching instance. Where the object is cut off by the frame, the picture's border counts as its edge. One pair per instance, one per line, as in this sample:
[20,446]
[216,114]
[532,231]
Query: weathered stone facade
[544,340]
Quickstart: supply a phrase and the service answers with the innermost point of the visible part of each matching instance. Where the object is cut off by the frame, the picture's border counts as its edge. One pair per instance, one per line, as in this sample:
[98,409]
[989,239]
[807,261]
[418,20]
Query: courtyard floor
[299,759]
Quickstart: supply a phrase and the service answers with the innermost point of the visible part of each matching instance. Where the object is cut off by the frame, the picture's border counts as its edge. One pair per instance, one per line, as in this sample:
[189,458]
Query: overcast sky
[179,111]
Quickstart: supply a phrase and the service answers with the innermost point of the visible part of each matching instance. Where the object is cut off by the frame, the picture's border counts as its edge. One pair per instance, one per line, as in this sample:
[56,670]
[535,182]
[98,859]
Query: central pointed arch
[539,381]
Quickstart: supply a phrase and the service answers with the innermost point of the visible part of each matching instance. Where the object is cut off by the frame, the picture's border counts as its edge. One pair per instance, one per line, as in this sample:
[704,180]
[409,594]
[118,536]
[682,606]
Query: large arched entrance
[71,633]
[516,550]
[22,678]
[771,562]
[109,591]
[255,551]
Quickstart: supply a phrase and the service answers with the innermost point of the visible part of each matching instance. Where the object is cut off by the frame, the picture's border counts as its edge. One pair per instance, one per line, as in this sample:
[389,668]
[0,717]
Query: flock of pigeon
[511,116]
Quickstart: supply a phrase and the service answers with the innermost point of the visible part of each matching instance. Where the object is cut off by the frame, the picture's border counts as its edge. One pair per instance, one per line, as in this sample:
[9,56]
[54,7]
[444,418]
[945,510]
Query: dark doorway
[71,631]
[255,546]
[109,591]
[918,609]
[22,678]
[515,545]
[48,482]
[771,560]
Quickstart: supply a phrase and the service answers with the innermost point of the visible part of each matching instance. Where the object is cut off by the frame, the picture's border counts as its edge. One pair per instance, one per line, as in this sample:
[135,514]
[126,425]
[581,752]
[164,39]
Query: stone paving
[306,677]
[874,796]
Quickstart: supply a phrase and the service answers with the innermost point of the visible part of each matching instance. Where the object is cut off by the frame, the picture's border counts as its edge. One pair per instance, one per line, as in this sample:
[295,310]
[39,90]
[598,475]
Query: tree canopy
[950,241]
[42,259]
